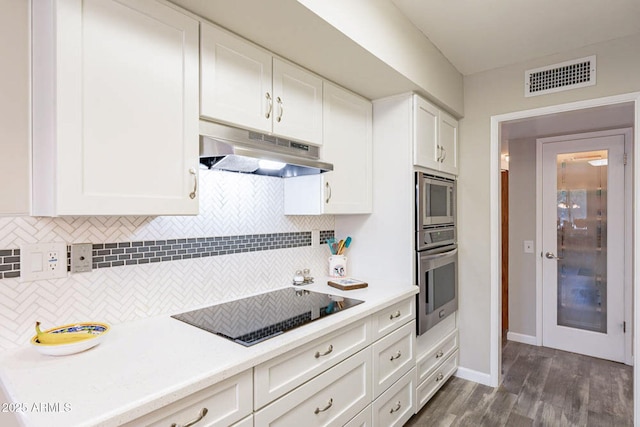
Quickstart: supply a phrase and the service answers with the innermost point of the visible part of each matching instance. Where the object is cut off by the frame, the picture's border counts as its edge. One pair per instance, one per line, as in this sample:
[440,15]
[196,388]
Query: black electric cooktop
[250,320]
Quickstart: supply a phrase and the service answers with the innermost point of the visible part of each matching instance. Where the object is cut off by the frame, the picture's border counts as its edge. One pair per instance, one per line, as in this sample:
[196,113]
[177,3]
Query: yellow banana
[61,338]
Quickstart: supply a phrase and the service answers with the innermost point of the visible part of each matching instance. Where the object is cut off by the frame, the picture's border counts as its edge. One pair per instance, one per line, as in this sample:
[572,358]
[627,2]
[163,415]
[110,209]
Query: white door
[583,244]
[297,103]
[425,134]
[235,80]
[348,145]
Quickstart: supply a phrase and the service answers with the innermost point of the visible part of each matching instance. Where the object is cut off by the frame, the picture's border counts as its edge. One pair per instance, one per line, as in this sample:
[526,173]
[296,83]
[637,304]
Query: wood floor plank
[622,391]
[547,415]
[517,420]
[599,419]
[499,409]
[532,389]
[555,388]
[575,410]
[600,388]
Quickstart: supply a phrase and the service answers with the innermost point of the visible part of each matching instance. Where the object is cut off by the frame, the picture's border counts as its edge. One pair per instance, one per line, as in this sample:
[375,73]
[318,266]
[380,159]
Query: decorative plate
[98,330]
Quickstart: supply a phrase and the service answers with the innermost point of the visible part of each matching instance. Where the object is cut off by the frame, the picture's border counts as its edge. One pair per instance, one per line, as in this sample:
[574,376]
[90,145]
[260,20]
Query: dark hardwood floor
[541,387]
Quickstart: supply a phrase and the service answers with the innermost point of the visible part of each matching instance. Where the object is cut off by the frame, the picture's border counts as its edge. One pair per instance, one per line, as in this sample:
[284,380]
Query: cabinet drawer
[428,388]
[441,351]
[332,398]
[247,422]
[278,376]
[396,405]
[393,356]
[392,317]
[226,402]
[363,419]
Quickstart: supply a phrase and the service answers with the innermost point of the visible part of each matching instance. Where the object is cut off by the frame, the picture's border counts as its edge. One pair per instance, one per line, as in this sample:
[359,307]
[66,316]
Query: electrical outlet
[42,261]
[81,257]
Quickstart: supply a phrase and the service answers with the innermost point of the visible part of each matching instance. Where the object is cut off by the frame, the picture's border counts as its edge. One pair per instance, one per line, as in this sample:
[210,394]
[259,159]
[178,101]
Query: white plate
[99,330]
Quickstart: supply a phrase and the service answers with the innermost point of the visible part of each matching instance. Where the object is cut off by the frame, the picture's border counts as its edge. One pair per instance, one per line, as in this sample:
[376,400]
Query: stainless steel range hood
[238,150]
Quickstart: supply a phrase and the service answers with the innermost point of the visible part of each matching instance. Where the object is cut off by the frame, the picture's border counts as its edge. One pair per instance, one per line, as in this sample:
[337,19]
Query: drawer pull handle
[329,405]
[440,377]
[439,354]
[202,414]
[319,355]
[395,315]
[396,356]
[396,408]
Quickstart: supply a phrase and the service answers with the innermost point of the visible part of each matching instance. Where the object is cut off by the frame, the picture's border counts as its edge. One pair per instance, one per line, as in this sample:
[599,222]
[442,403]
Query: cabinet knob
[396,408]
[395,315]
[201,415]
[192,195]
[444,154]
[440,377]
[439,354]
[396,356]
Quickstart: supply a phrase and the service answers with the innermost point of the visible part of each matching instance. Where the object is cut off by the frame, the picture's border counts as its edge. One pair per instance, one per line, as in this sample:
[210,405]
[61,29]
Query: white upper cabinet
[236,80]
[246,86]
[115,108]
[448,143]
[435,144]
[348,145]
[298,103]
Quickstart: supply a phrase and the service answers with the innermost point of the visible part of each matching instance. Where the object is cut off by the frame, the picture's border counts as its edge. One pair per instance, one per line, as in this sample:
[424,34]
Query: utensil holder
[337,266]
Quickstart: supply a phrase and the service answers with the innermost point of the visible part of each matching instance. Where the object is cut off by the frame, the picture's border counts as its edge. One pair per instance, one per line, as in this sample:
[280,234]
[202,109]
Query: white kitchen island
[146,365]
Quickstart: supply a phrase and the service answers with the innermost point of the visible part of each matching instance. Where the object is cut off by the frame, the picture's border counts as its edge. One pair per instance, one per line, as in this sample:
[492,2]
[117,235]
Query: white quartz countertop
[145,365]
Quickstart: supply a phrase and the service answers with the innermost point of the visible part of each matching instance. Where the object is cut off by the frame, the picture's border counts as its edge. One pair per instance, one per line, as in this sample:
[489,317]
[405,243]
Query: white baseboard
[475,376]
[524,339]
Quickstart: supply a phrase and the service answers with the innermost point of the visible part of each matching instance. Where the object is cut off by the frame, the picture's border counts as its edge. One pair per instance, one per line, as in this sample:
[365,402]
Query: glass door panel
[582,240]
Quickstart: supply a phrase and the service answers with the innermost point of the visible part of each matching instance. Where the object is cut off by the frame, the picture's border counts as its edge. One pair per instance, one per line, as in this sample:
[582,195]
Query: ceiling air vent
[559,77]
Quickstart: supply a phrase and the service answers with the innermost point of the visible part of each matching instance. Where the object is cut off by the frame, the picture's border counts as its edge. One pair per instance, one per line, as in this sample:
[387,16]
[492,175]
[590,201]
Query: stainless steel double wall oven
[436,249]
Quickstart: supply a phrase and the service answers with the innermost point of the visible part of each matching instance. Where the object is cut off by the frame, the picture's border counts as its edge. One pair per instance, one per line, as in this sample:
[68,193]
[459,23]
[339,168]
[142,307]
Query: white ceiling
[479,35]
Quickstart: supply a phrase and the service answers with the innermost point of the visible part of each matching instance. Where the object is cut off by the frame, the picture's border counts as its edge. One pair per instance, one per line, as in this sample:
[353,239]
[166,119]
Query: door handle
[551,255]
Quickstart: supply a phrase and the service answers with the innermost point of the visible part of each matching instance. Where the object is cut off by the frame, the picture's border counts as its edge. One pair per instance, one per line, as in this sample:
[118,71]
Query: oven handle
[431,256]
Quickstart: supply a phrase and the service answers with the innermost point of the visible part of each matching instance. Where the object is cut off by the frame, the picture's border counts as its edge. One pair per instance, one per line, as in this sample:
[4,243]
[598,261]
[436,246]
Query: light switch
[528,246]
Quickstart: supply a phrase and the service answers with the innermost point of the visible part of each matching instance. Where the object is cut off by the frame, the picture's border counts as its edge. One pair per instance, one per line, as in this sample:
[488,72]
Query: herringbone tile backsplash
[230,205]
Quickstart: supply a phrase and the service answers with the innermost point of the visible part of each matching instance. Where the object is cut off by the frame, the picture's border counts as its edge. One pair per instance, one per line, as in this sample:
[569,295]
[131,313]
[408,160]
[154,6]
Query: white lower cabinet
[393,356]
[428,388]
[220,405]
[332,398]
[396,405]
[247,422]
[282,374]
[363,419]
[437,359]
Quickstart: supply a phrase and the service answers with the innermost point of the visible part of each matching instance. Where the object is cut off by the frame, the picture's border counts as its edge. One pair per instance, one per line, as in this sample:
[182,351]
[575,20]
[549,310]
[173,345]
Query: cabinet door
[425,134]
[449,143]
[124,139]
[348,145]
[235,79]
[297,103]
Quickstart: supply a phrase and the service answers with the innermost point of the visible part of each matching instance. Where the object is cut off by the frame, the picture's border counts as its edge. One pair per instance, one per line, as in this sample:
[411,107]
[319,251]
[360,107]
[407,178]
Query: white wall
[522,226]
[379,27]
[497,92]
[14,107]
